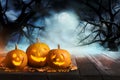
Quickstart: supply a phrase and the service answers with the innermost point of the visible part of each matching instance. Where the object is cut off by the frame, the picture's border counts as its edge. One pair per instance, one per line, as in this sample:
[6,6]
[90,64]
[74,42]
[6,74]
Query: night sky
[62,21]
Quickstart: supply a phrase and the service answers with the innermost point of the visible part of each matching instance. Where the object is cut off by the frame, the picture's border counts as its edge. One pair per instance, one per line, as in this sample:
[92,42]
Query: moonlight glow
[63,17]
[61,29]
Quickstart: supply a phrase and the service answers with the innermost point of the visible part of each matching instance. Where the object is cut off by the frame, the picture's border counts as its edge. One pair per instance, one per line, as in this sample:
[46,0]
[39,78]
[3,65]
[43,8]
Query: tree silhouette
[103,16]
[17,15]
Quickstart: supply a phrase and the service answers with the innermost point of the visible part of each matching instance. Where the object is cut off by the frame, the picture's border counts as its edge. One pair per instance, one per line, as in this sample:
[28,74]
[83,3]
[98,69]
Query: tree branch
[116,12]
[6,6]
[1,15]
[33,26]
[83,29]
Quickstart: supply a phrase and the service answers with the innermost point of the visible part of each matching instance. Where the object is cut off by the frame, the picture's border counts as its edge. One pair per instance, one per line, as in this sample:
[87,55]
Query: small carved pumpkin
[59,58]
[37,53]
[16,59]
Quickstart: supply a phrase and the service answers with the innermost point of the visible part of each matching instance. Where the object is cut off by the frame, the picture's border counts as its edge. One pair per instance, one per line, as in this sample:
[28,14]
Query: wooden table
[99,67]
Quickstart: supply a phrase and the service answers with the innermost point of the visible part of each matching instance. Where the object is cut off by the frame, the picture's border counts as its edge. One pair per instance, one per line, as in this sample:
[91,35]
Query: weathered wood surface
[99,67]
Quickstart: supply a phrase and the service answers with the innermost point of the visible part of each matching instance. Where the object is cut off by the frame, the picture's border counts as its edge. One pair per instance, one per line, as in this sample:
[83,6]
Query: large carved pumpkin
[59,58]
[37,53]
[16,59]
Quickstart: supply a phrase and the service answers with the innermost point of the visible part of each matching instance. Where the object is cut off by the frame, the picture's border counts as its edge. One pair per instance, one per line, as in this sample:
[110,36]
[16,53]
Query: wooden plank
[89,68]
[22,76]
[108,65]
[95,77]
[35,76]
[10,77]
[111,77]
[98,65]
[86,67]
[74,75]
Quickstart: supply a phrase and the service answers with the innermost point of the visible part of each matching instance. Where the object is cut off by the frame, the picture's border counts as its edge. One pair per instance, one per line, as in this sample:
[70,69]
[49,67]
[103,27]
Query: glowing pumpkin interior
[59,58]
[16,58]
[37,53]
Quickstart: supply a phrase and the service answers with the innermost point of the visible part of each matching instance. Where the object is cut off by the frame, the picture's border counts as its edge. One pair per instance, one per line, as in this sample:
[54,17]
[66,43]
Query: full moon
[63,17]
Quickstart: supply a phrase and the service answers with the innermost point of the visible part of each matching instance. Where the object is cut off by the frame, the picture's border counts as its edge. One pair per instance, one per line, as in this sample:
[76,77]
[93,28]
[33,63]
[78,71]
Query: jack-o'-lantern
[59,58]
[16,59]
[37,53]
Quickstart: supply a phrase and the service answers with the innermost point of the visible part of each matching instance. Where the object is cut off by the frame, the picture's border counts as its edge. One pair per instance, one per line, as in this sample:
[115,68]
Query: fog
[61,28]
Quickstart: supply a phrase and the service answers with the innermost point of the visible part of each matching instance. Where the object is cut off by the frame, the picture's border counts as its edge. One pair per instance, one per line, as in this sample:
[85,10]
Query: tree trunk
[4,38]
[112,46]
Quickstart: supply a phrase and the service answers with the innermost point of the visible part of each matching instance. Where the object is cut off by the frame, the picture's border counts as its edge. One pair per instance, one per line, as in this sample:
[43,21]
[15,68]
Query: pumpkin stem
[58,46]
[37,39]
[16,46]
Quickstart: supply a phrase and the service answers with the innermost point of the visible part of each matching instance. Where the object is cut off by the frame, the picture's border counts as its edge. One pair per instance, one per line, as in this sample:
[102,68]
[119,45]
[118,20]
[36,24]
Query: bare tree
[103,16]
[26,12]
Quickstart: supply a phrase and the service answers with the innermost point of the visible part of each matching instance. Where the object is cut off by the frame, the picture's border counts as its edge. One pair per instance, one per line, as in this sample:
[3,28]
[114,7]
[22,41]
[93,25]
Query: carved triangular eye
[62,57]
[53,56]
[44,49]
[21,56]
[34,51]
[16,59]
[14,55]
[37,53]
[59,58]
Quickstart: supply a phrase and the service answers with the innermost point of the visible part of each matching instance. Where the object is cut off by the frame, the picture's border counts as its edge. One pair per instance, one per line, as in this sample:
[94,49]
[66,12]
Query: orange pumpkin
[37,53]
[16,59]
[59,58]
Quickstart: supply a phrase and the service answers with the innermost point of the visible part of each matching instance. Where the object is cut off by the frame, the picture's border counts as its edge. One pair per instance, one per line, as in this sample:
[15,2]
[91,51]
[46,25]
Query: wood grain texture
[99,67]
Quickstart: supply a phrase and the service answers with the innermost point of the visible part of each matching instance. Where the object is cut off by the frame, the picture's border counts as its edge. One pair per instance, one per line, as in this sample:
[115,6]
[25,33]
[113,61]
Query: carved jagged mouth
[37,59]
[59,63]
[16,63]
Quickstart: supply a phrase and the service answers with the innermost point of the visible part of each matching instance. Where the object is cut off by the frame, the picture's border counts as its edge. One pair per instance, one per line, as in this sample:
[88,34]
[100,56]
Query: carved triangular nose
[17,58]
[38,54]
[58,59]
